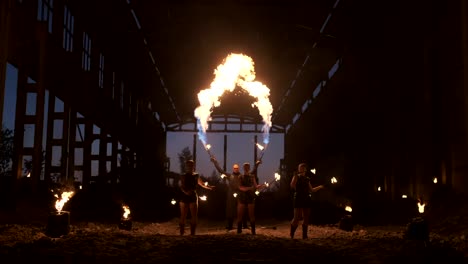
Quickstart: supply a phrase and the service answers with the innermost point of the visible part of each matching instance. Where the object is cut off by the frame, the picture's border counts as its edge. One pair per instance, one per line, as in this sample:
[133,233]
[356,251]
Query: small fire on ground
[62,199]
[126,211]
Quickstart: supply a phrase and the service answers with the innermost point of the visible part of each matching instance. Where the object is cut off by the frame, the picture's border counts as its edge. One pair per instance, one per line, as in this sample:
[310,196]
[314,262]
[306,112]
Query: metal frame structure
[226,123]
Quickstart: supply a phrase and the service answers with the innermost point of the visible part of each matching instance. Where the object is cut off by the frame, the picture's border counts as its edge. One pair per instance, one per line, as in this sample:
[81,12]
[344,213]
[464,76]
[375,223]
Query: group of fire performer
[302,187]
[244,184]
[189,198]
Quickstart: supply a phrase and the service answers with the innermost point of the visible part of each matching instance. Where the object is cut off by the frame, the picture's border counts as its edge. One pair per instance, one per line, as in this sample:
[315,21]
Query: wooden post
[195,148]
[225,152]
[255,150]
[4,34]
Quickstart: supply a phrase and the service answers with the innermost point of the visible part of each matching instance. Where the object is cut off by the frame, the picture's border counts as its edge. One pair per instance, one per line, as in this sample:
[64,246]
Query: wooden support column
[72,119]
[88,140]
[225,152]
[4,36]
[102,155]
[39,89]
[195,148]
[17,163]
[462,179]
[255,150]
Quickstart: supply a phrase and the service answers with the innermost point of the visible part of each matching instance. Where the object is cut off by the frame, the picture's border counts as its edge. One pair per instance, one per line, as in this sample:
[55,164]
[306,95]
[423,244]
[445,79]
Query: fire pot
[417,229]
[346,223]
[58,224]
[125,224]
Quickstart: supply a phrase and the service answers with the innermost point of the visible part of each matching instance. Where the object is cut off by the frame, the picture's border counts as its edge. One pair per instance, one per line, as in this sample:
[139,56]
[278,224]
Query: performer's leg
[240,215]
[295,221]
[183,216]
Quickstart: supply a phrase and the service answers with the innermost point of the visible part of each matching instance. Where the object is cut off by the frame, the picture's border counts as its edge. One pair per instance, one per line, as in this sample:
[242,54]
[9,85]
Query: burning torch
[207,148]
[262,150]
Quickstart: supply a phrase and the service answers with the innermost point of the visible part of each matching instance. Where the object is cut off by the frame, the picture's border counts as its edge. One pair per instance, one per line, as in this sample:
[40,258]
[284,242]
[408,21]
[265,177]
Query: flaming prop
[236,70]
[418,227]
[125,222]
[58,223]
[207,148]
[262,149]
[346,223]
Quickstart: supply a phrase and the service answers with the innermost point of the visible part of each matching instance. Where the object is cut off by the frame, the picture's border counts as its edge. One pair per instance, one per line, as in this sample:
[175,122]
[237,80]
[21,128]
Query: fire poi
[237,70]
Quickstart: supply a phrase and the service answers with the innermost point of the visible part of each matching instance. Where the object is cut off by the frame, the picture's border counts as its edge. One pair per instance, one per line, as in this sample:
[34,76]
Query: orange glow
[126,211]
[64,197]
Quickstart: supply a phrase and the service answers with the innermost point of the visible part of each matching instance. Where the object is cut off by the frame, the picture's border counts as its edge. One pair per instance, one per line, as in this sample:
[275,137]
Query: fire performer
[246,198]
[302,187]
[189,198]
[231,194]
[232,191]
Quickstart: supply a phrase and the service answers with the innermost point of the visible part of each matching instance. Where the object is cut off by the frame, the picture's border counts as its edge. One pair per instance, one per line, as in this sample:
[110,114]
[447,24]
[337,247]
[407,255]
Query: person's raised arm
[216,164]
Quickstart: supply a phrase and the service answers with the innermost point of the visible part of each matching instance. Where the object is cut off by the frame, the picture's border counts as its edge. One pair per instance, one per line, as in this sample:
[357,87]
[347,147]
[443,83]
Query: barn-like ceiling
[189,39]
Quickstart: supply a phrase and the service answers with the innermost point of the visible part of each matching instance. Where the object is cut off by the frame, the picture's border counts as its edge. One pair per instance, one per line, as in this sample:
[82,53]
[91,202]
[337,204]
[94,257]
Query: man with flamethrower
[189,199]
[232,192]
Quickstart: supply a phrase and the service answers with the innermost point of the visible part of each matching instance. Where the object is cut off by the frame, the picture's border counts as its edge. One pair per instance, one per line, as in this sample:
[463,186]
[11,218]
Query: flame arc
[236,70]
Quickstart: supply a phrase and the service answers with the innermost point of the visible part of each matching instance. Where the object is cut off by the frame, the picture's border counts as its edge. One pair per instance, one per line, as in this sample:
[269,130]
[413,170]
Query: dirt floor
[23,239]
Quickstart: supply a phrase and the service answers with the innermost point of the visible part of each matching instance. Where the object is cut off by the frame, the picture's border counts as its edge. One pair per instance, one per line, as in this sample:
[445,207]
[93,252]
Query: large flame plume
[236,70]
[64,197]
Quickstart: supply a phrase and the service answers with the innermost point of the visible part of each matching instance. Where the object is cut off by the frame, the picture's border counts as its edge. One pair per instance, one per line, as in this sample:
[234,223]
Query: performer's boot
[252,227]
[193,227]
[181,229]
[304,231]
[239,227]
[293,230]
